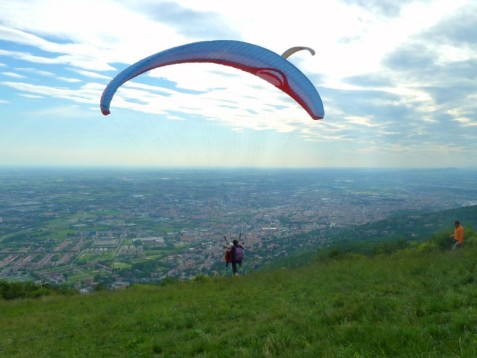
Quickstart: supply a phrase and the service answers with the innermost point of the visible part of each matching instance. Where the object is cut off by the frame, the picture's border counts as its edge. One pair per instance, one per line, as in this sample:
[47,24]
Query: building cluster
[88,231]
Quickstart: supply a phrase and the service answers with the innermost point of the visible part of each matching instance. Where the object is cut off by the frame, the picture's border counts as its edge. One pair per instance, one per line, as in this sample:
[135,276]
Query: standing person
[458,235]
[237,254]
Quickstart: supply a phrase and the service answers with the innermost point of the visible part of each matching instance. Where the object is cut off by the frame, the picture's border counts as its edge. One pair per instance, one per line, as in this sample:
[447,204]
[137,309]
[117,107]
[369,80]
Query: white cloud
[91,74]
[31,96]
[63,57]
[12,74]
[34,71]
[86,94]
[361,121]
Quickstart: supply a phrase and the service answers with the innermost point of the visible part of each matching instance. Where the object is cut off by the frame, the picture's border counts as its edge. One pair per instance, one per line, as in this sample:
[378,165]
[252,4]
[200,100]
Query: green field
[418,301]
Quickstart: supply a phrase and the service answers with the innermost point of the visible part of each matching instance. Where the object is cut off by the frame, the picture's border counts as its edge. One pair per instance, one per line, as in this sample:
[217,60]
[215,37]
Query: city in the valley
[84,227]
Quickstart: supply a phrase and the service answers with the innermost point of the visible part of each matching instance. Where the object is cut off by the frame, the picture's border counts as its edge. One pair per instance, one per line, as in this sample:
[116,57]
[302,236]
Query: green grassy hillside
[419,301]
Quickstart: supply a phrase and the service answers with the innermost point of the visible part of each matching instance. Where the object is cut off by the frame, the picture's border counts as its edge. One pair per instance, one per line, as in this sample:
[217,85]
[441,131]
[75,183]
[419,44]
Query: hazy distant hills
[411,226]
[391,234]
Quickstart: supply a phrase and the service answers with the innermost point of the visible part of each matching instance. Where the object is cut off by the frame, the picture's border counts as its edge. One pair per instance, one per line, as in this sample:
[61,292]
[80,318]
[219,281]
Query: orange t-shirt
[459,234]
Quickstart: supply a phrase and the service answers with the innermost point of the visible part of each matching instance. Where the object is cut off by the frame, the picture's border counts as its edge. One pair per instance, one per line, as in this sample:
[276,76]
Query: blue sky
[397,79]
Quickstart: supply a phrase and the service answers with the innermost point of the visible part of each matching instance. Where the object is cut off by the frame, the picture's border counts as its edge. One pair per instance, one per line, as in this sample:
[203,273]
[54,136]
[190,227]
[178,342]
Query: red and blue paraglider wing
[254,59]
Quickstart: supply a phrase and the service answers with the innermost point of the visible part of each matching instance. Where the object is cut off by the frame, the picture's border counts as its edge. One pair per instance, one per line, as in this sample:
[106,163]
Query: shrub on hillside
[440,241]
[14,290]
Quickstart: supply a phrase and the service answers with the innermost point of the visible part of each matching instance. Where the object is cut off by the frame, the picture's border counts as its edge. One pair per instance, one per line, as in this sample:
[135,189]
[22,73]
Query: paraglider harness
[233,253]
[228,253]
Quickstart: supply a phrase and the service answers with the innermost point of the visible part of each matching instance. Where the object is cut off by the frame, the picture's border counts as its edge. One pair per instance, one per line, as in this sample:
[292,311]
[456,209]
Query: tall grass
[413,303]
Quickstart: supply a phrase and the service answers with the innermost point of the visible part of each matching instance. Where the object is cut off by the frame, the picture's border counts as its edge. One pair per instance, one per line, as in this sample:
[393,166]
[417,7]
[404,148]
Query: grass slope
[419,301]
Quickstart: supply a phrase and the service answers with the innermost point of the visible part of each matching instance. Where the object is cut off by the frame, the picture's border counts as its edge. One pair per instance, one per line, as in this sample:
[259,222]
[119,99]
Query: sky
[398,81]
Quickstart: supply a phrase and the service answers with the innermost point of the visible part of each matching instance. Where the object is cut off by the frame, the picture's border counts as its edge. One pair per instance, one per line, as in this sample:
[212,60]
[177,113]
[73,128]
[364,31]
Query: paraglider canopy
[294,49]
[254,59]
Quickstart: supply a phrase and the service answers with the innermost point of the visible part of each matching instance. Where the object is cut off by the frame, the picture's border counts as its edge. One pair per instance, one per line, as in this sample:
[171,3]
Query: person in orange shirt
[458,234]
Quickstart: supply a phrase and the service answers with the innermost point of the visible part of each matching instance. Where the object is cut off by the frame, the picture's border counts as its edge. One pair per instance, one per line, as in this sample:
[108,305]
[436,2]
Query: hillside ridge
[418,300]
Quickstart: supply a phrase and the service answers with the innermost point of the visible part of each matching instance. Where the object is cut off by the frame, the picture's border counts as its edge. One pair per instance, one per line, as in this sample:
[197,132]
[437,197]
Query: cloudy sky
[398,80]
